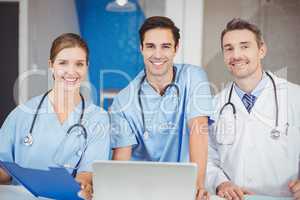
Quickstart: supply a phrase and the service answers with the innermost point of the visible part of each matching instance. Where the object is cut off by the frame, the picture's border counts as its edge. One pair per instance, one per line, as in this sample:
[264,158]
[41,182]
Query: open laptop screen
[132,180]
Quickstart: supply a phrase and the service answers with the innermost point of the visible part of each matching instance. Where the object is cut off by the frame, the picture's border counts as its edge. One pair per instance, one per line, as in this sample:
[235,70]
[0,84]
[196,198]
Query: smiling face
[69,68]
[158,50]
[242,55]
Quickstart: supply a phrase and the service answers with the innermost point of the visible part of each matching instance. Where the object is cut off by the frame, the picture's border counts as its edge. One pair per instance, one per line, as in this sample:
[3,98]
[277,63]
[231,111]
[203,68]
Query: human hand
[86,187]
[4,177]
[86,191]
[294,187]
[230,191]
[202,194]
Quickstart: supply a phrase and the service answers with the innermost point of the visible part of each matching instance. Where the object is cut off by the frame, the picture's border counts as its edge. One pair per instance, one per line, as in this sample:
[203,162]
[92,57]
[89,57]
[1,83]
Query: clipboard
[55,183]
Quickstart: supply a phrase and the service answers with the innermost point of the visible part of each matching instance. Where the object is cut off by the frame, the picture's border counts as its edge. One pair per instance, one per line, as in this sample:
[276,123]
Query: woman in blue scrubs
[66,130]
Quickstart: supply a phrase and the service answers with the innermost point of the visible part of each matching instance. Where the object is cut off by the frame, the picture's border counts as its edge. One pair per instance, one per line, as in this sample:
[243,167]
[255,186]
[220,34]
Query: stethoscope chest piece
[28,140]
[275,134]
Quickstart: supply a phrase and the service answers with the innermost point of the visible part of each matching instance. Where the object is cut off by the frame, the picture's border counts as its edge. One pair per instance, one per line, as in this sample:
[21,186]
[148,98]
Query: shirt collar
[146,86]
[257,90]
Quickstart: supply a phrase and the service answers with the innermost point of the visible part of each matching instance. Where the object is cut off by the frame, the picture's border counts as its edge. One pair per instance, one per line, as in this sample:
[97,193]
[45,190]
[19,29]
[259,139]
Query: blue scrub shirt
[51,147]
[166,117]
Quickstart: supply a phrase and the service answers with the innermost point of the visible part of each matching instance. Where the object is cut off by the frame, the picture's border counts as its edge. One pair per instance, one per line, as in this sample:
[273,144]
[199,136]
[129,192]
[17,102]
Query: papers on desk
[55,183]
[260,197]
[17,192]
[256,197]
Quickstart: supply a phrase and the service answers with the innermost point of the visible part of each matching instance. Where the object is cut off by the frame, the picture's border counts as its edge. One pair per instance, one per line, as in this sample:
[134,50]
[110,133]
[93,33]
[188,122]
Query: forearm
[123,153]
[4,177]
[199,147]
[214,176]
[198,155]
[214,173]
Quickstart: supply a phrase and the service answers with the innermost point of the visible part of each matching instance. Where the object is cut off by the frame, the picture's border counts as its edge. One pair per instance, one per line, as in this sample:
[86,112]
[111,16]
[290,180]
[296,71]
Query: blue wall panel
[113,41]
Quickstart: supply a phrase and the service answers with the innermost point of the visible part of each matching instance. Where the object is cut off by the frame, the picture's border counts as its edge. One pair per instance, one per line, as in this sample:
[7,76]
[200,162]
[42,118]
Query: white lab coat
[254,160]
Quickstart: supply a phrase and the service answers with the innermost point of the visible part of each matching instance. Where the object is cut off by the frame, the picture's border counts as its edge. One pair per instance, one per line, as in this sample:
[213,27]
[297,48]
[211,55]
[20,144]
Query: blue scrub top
[51,147]
[166,117]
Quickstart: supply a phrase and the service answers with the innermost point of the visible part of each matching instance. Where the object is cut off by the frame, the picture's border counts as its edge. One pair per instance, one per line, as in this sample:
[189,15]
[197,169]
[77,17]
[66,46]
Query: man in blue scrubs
[162,114]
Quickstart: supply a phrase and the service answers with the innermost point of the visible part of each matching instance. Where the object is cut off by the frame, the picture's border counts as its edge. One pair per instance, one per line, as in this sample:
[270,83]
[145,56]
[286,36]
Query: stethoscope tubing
[172,84]
[229,103]
[79,124]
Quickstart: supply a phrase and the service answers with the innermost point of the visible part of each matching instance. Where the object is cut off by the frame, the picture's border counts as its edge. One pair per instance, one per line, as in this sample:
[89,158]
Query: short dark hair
[240,24]
[159,22]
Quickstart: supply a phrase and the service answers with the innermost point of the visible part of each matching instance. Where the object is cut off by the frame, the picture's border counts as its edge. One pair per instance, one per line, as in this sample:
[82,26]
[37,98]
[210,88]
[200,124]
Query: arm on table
[294,187]
[4,177]
[86,186]
[217,180]
[198,150]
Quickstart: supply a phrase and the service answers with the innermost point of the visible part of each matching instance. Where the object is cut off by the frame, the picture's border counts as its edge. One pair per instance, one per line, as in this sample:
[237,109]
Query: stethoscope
[172,84]
[28,139]
[275,132]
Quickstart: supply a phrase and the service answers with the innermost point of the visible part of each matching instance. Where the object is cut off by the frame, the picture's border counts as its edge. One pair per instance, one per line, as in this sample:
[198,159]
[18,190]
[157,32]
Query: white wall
[188,16]
[200,21]
[279,22]
[46,20]
[153,7]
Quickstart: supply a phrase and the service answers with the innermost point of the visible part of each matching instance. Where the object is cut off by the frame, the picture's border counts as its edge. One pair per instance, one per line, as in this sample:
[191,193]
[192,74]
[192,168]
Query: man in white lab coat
[254,145]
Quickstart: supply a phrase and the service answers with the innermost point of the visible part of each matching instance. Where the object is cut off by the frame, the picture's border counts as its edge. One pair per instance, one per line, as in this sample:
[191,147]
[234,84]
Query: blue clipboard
[55,183]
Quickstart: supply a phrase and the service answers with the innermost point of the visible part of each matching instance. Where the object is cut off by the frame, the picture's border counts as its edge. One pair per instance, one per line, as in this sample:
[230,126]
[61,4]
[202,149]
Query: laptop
[135,180]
